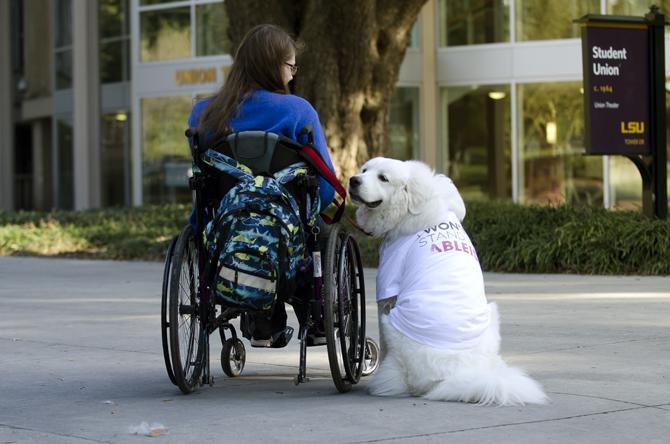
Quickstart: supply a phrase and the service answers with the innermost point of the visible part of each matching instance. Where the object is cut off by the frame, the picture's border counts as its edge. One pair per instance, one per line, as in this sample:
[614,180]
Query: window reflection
[468,22]
[114,41]
[165,34]
[403,125]
[415,36]
[478,156]
[63,69]
[625,184]
[155,2]
[542,20]
[114,158]
[553,168]
[636,7]
[65,159]
[211,30]
[112,17]
[165,157]
[63,44]
[625,181]
[63,31]
[113,61]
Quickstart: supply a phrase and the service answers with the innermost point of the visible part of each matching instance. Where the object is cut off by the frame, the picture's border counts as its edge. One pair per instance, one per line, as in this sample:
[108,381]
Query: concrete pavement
[82,362]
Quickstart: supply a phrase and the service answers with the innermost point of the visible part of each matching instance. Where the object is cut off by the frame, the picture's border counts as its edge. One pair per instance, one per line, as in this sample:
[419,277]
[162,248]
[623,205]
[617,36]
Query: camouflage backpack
[256,241]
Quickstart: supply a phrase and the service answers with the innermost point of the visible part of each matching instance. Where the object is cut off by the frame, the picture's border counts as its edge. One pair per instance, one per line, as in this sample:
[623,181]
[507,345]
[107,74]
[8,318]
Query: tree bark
[348,71]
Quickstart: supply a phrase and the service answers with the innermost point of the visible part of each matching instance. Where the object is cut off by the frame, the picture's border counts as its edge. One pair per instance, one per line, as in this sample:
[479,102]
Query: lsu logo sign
[632,127]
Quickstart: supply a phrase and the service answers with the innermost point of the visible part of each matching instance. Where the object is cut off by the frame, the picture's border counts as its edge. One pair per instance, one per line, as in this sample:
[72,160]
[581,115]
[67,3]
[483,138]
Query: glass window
[165,34]
[211,30]
[415,36]
[113,18]
[155,2]
[636,7]
[63,69]
[543,20]
[114,41]
[65,164]
[114,61]
[403,125]
[552,166]
[625,184]
[114,158]
[469,22]
[478,140]
[625,181]
[63,29]
[63,44]
[166,160]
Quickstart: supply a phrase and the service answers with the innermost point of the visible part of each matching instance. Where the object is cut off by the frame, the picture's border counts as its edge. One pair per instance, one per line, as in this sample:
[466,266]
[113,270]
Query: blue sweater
[282,114]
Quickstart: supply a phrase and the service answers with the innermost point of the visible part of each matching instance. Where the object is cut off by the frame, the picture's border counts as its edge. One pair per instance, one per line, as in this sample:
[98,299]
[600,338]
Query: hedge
[508,237]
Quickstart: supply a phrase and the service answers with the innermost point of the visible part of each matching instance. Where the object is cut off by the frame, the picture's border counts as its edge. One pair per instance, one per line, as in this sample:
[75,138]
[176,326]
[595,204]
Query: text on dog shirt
[446,237]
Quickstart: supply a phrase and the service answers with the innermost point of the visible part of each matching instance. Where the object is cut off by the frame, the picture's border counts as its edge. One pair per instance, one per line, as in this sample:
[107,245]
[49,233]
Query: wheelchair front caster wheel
[233,357]
[371,361]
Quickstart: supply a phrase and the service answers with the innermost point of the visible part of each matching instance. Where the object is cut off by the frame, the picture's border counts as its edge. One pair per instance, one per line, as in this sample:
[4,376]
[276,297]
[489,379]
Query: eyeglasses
[293,68]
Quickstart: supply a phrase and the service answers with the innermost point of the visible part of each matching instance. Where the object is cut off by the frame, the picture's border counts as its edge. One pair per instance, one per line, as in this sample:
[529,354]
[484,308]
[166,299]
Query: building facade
[94,97]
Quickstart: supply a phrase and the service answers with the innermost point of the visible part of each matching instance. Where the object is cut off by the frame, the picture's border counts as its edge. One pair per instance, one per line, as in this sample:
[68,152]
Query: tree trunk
[350,65]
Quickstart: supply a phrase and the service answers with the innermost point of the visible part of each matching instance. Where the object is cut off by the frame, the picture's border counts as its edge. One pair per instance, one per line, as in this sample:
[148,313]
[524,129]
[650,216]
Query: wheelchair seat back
[255,149]
[263,152]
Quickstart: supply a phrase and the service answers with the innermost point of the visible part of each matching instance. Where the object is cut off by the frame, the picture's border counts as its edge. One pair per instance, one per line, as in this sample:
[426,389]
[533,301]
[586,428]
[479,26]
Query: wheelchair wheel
[165,325]
[186,340]
[233,357]
[371,361]
[344,308]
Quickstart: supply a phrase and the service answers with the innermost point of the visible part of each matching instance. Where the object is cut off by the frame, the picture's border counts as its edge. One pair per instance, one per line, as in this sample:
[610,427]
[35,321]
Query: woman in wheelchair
[256,97]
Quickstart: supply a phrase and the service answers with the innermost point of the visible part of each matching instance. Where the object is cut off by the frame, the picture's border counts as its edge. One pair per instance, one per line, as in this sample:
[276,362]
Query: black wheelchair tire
[165,325]
[184,318]
[352,305]
[233,357]
[345,359]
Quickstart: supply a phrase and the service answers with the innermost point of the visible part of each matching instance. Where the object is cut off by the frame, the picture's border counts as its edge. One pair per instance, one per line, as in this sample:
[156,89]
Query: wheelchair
[191,312]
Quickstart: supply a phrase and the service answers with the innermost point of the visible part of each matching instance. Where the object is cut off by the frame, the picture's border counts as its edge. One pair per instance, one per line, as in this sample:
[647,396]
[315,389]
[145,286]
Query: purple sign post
[624,96]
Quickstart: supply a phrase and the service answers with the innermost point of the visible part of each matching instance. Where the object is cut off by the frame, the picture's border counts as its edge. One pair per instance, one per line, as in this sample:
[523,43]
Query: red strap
[314,158]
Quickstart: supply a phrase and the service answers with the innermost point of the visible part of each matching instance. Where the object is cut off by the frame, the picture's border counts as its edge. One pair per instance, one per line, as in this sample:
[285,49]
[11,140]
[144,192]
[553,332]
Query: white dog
[440,339]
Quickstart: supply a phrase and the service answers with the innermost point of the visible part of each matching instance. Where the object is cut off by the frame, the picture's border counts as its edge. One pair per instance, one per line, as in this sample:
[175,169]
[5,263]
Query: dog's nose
[354,182]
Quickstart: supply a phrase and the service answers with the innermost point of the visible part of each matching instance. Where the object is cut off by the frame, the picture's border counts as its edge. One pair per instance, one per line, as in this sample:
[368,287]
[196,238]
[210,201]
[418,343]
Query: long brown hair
[257,64]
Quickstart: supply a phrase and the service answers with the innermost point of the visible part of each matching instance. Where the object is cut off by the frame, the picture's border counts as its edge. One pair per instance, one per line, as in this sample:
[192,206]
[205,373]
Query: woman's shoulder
[288,101]
[197,109]
[200,105]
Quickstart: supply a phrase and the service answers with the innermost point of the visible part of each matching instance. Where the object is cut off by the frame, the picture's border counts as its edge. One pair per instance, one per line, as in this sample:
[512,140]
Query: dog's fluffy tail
[498,384]
[487,379]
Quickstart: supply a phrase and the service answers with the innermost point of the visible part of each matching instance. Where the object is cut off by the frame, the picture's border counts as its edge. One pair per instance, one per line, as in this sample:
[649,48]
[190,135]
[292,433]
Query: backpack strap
[292,172]
[334,211]
[227,165]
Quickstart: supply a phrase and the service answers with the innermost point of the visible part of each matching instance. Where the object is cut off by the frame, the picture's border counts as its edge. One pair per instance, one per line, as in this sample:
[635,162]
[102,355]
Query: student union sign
[617,91]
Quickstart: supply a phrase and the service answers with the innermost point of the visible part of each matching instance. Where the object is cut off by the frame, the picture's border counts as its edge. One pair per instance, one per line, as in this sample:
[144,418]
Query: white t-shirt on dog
[438,280]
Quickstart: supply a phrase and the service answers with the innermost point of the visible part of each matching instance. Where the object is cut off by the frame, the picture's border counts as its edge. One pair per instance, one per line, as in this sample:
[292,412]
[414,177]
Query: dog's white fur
[397,198]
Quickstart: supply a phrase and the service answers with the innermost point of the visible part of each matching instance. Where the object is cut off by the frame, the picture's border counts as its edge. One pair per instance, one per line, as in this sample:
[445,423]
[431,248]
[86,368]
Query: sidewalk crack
[654,406]
[64,435]
[61,344]
[578,347]
[537,421]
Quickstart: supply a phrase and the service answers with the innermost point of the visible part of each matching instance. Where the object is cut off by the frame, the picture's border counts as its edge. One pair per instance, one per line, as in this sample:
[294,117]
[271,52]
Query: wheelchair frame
[189,312]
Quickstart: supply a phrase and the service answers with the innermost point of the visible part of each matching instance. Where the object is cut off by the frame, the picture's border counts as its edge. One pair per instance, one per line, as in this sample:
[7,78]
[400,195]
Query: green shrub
[515,238]
[122,233]
[508,237]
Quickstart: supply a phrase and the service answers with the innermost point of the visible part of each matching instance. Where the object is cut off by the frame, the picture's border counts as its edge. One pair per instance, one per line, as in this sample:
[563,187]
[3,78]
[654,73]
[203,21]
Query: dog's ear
[418,186]
[450,195]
